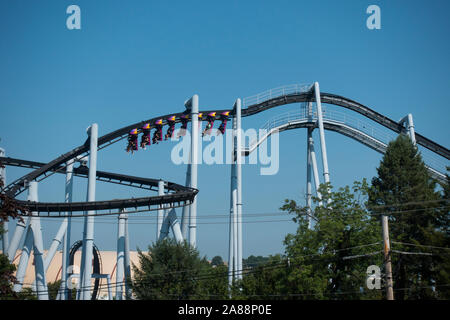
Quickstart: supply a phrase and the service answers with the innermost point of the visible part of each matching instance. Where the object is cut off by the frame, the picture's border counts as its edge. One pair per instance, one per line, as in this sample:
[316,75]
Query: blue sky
[136,60]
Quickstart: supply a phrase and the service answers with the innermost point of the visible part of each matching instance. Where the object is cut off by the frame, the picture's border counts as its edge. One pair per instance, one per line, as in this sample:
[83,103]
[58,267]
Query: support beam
[409,124]
[66,242]
[308,177]
[171,221]
[238,146]
[120,265]
[33,241]
[38,246]
[161,211]
[175,225]
[194,163]
[410,127]
[235,236]
[326,174]
[24,258]
[127,261]
[185,214]
[57,240]
[234,195]
[314,167]
[17,236]
[231,221]
[88,236]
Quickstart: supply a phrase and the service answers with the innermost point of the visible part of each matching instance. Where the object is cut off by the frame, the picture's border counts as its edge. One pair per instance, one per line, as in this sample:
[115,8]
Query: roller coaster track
[341,123]
[252,105]
[176,195]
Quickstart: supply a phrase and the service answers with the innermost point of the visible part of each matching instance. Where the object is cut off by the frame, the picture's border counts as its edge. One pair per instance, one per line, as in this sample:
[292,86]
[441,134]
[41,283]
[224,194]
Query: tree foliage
[315,264]
[404,190]
[7,278]
[8,206]
[217,261]
[172,270]
[8,209]
[325,258]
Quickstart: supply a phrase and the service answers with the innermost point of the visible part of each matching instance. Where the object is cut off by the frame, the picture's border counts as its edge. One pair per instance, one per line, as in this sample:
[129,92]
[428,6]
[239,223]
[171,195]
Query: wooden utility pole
[387,258]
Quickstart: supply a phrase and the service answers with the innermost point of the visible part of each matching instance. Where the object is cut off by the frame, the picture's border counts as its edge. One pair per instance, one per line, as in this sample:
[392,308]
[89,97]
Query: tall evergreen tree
[405,192]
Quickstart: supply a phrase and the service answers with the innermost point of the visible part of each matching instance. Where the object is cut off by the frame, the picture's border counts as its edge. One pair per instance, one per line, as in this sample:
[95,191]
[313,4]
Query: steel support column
[194,163]
[185,213]
[326,174]
[171,221]
[238,147]
[120,256]
[234,200]
[314,167]
[38,246]
[88,236]
[161,211]
[17,236]
[24,258]
[412,134]
[231,252]
[33,241]
[66,241]
[308,177]
[127,262]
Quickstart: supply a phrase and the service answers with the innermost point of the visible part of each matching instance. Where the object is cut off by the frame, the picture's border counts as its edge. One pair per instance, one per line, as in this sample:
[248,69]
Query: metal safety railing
[276,92]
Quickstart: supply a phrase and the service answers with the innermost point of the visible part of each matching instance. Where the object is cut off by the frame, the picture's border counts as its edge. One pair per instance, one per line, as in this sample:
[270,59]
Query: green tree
[404,190]
[266,280]
[330,260]
[8,209]
[215,282]
[253,261]
[7,278]
[217,261]
[54,287]
[172,270]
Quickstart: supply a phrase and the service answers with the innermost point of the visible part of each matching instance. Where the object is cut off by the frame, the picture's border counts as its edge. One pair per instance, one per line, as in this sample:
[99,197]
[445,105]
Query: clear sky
[134,60]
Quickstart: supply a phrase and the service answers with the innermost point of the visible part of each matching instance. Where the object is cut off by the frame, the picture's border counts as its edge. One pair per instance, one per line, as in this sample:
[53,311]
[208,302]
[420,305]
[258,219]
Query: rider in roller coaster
[210,118]
[171,123]
[132,141]
[157,135]
[184,123]
[224,119]
[145,139]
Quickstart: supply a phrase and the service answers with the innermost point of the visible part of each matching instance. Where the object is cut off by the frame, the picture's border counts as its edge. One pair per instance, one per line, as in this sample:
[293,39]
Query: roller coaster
[172,195]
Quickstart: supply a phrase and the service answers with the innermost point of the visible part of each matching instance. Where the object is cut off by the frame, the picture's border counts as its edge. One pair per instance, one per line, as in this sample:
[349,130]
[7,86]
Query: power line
[227,222]
[420,245]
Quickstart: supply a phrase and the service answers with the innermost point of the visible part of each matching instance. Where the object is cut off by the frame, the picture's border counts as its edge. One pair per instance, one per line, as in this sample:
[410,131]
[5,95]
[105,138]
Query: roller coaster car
[132,141]
[157,135]
[210,118]
[171,123]
[184,123]
[223,125]
[145,139]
